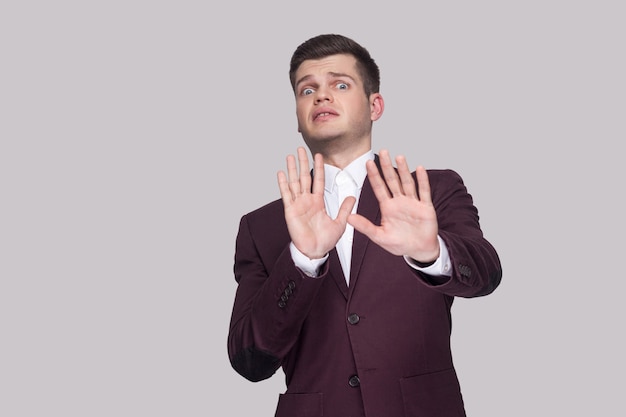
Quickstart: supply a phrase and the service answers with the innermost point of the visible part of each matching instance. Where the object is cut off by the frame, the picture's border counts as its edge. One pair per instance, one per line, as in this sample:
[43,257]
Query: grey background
[135,134]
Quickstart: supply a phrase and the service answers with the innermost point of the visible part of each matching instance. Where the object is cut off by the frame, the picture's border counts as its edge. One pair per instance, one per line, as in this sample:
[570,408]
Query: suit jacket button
[354,381]
[465,270]
[353,318]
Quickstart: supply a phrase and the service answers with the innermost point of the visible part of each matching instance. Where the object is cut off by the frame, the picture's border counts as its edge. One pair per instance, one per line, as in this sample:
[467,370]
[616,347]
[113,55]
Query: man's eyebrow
[331,74]
[340,75]
[303,79]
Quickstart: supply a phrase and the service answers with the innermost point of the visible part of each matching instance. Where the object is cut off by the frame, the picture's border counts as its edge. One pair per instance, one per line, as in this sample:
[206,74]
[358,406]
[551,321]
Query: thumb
[345,209]
[362,225]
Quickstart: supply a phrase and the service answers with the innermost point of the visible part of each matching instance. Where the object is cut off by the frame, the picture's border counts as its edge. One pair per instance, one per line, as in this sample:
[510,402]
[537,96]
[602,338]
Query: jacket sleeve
[272,300]
[476,268]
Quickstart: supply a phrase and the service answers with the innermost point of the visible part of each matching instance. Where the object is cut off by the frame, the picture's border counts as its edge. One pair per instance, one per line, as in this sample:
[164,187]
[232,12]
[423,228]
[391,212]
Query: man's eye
[342,86]
[307,91]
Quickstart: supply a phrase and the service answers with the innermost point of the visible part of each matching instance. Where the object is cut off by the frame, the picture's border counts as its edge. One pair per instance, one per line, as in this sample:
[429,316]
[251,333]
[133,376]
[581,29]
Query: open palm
[408,219]
[312,230]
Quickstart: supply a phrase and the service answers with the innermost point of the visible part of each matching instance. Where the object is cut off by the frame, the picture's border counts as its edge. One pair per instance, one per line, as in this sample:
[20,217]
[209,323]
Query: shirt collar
[356,169]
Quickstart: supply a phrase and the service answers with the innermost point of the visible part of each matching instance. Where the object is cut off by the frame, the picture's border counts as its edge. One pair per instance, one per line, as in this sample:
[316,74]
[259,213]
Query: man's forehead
[329,66]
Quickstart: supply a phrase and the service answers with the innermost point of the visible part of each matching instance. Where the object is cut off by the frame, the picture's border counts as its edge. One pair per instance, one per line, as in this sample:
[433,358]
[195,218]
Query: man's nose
[323,94]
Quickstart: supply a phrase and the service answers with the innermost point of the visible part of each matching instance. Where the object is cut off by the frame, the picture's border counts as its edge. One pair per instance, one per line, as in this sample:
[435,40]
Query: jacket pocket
[300,405]
[433,395]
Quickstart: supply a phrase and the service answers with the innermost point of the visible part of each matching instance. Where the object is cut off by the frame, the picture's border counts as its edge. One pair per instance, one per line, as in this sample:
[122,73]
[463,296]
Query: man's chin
[321,137]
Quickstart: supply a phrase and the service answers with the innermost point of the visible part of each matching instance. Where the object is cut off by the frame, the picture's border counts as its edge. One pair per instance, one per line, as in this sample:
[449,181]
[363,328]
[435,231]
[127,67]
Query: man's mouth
[323,114]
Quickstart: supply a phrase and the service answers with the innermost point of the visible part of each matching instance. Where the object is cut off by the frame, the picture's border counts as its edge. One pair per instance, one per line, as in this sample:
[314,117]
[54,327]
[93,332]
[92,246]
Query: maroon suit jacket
[380,347]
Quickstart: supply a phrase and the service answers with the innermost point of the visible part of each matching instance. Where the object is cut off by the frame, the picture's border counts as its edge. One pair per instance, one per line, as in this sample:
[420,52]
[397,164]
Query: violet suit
[378,348]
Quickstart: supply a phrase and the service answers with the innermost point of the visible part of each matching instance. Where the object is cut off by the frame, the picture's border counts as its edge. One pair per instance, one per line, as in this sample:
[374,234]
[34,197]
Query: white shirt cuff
[441,266]
[310,267]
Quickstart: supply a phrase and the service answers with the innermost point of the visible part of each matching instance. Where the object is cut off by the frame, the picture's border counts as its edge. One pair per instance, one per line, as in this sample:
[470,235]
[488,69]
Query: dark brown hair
[322,46]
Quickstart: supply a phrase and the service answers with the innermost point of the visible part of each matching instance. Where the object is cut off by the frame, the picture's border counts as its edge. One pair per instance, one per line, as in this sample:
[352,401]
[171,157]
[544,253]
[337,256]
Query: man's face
[331,103]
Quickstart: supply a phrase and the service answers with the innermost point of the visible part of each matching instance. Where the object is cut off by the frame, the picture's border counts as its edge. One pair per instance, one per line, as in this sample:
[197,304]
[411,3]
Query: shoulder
[448,174]
[447,185]
[443,178]
[263,231]
[266,219]
[270,209]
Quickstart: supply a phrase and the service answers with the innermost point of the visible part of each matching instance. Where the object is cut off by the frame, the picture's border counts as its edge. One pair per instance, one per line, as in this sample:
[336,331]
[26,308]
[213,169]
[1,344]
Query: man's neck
[342,158]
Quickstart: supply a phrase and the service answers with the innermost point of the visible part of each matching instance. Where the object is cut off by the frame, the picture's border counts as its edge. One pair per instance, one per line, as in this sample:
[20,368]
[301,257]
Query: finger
[378,184]
[391,177]
[406,179]
[285,191]
[423,185]
[305,174]
[318,174]
[292,173]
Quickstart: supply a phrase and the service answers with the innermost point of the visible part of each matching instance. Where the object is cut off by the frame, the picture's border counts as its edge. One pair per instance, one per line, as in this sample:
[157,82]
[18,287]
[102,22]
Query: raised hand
[311,229]
[408,222]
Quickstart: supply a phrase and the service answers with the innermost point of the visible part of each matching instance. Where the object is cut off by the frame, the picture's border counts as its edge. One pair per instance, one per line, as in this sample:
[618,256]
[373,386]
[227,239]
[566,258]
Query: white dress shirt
[357,172]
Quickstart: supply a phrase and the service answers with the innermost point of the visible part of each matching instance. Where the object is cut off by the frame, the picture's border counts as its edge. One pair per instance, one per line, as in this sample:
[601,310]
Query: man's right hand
[311,229]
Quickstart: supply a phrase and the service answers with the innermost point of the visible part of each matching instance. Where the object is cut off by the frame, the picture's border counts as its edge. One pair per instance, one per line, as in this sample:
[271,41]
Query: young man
[347,281]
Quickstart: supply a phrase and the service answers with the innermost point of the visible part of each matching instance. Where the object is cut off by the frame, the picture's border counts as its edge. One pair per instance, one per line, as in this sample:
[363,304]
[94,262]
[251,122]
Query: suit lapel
[337,272]
[370,209]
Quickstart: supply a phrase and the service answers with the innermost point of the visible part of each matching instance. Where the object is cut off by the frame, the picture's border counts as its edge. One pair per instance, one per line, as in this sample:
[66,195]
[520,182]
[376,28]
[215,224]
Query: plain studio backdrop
[135,134]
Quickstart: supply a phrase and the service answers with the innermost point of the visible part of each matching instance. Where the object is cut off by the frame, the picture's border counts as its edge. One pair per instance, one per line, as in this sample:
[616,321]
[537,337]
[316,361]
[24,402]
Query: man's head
[336,83]
[325,45]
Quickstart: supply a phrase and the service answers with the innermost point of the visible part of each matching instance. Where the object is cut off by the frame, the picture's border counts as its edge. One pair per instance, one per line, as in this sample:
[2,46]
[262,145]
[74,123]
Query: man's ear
[377,106]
